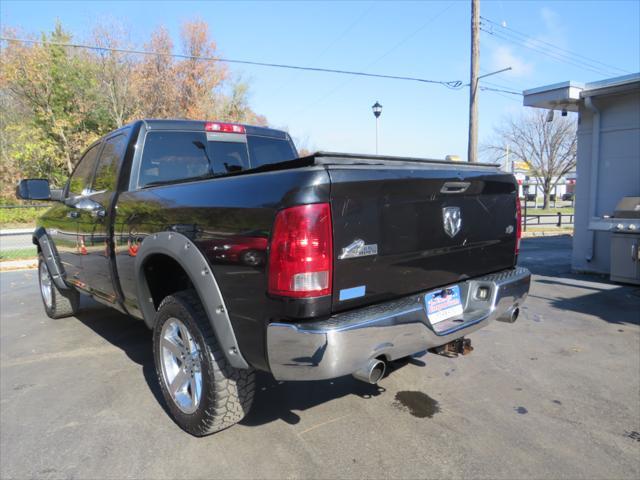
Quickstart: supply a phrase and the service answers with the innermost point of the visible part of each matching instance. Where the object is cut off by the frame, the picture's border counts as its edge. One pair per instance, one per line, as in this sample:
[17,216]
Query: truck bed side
[225,217]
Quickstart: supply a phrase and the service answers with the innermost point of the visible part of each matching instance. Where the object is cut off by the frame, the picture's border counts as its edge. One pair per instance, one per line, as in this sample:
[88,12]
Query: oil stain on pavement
[418,404]
[633,435]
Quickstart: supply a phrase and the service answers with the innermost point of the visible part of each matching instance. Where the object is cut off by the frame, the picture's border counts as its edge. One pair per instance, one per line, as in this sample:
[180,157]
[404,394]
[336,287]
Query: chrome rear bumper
[345,342]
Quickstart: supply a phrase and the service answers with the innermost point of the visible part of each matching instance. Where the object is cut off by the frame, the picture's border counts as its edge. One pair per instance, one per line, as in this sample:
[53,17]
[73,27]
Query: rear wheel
[57,303]
[202,391]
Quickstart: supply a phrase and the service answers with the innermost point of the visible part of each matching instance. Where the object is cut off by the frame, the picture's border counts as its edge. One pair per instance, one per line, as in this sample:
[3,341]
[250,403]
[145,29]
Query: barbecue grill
[624,226]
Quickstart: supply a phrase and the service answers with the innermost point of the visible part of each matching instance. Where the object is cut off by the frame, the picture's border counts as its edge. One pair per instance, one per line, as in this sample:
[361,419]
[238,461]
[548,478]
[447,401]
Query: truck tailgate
[389,228]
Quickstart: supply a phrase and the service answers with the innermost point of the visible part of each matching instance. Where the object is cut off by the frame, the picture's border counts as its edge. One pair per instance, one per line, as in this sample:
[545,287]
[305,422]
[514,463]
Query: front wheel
[202,391]
[57,303]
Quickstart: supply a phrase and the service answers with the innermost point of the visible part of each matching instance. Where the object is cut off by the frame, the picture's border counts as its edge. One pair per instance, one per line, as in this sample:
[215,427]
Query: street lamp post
[377,110]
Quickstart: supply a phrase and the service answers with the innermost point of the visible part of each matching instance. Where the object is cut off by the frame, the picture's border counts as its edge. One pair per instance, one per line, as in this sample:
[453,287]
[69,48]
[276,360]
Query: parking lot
[556,395]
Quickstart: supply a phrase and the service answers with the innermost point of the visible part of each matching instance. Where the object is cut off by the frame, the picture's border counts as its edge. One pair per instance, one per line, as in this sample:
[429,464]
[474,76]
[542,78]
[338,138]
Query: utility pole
[472,151]
[508,164]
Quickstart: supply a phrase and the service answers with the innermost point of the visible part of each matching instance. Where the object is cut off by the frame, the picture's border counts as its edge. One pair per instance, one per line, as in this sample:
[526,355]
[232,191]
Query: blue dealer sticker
[350,293]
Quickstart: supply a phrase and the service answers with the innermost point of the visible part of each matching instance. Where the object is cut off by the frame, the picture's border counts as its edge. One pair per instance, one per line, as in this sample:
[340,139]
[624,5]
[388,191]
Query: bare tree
[114,71]
[549,148]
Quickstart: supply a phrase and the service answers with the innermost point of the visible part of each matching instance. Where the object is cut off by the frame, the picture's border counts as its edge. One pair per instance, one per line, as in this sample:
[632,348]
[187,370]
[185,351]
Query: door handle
[454,187]
[634,252]
[73,214]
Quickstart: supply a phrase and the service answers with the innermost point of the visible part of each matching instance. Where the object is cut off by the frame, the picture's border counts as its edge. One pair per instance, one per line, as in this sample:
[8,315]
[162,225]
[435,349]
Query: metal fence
[553,220]
[15,239]
[547,219]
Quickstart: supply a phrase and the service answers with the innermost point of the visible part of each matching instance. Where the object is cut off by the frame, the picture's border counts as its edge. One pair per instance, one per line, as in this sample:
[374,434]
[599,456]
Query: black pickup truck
[240,256]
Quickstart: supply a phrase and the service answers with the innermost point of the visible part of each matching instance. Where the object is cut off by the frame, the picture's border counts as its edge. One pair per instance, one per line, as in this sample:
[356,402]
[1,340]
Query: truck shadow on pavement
[126,333]
[613,303]
[276,400]
[273,400]
[549,259]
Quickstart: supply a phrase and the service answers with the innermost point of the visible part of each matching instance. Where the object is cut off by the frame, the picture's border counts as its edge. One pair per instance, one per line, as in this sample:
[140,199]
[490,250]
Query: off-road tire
[64,303]
[227,392]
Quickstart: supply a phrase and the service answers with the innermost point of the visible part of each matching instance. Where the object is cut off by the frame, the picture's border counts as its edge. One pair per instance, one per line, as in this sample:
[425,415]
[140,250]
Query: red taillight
[301,255]
[223,127]
[518,223]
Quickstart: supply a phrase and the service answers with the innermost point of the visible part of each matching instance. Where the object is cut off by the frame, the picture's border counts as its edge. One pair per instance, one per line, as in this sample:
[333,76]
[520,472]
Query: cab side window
[173,156]
[107,171]
[80,181]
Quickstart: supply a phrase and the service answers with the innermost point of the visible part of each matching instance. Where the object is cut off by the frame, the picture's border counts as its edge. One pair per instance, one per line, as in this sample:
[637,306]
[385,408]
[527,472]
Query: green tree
[56,99]
[57,87]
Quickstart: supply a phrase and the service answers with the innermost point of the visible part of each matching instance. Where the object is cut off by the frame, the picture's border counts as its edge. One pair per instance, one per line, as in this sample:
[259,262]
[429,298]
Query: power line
[561,51]
[512,83]
[551,45]
[376,60]
[497,85]
[554,55]
[508,97]
[489,89]
[453,84]
[412,34]
[557,57]
[330,45]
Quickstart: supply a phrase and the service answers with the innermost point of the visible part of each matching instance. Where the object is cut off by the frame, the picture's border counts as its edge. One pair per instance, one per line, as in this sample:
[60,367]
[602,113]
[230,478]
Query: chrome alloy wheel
[181,365]
[46,287]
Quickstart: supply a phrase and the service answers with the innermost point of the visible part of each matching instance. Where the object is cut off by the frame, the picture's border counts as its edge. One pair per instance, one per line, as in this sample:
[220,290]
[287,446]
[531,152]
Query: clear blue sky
[421,39]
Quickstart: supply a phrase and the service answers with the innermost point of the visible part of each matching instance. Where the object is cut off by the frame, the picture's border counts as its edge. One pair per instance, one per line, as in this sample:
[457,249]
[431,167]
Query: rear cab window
[174,156]
[268,150]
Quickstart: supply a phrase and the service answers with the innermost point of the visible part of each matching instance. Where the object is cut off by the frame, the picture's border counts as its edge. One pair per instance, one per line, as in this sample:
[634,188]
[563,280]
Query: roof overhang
[567,95]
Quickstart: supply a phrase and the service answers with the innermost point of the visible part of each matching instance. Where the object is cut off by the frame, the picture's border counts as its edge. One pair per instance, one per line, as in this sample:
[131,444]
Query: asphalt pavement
[555,395]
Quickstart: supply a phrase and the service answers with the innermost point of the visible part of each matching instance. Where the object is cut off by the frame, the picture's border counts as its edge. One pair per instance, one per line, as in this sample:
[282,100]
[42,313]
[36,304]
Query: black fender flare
[190,258]
[41,238]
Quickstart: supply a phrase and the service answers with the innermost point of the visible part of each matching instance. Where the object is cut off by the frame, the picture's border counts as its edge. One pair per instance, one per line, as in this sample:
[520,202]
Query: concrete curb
[16,231]
[11,265]
[547,233]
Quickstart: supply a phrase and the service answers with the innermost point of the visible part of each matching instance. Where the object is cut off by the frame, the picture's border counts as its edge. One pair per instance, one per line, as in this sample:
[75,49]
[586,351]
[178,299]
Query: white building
[608,164]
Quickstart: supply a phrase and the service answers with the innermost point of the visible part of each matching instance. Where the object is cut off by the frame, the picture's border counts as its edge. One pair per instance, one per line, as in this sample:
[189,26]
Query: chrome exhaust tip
[510,316]
[372,372]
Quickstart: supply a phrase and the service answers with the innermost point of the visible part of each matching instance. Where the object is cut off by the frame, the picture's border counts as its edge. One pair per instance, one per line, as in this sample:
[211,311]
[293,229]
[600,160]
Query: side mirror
[34,189]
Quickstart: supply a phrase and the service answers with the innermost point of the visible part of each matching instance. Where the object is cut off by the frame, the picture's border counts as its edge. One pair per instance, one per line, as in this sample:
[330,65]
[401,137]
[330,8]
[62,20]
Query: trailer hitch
[460,346]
